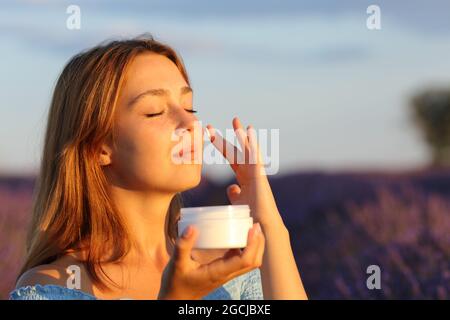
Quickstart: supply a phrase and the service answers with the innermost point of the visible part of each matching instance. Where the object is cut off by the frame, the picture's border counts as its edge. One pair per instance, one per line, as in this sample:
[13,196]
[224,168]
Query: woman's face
[154,121]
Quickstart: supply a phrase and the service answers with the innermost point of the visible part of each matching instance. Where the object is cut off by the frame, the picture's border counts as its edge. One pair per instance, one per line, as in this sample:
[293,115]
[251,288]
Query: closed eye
[151,115]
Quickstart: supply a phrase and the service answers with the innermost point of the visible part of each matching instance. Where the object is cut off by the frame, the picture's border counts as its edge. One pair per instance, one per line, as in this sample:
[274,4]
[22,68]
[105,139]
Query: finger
[184,245]
[241,135]
[210,131]
[220,269]
[256,259]
[228,150]
[250,252]
[246,262]
[255,156]
[228,267]
[233,192]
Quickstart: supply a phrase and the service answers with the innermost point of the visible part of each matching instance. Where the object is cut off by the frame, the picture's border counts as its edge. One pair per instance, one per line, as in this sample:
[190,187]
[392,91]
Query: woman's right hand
[186,279]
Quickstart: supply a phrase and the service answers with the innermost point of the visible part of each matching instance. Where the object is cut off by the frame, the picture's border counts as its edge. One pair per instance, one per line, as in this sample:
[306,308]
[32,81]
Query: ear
[105,157]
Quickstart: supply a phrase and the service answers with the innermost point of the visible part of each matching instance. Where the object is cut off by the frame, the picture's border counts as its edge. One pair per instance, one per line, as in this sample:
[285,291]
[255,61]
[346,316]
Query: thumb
[233,192]
[184,244]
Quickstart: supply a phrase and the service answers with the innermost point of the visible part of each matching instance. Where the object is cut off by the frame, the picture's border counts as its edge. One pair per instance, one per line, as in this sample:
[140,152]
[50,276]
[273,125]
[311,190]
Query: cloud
[175,23]
[337,54]
[417,15]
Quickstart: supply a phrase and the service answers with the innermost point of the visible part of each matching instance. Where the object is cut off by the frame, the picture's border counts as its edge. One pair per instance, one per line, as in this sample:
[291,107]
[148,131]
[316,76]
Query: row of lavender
[339,225]
[342,223]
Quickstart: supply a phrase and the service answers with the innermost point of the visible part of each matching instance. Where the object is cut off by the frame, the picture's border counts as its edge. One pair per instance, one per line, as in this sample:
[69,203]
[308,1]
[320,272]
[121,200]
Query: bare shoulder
[43,274]
[54,273]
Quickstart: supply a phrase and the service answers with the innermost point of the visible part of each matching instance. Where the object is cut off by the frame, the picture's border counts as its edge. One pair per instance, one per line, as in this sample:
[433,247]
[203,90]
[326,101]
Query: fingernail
[187,232]
[210,136]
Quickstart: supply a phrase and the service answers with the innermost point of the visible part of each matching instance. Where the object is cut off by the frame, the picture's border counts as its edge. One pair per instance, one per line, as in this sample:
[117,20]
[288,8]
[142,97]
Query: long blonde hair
[71,205]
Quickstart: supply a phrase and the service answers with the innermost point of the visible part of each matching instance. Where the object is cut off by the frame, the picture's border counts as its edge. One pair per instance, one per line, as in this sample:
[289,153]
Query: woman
[108,196]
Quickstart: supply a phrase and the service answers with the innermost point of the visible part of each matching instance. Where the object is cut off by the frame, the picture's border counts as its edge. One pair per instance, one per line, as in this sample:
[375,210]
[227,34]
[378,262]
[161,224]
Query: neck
[146,215]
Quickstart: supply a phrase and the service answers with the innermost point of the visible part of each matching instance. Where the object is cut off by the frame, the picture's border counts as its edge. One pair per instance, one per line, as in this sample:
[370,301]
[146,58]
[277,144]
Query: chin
[189,177]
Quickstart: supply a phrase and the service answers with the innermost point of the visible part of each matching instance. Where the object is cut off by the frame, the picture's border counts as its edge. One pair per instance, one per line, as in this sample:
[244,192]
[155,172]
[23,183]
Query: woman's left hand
[279,280]
[253,186]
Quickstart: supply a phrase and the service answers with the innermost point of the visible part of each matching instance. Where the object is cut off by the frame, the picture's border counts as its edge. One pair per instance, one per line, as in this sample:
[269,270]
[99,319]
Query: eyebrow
[159,92]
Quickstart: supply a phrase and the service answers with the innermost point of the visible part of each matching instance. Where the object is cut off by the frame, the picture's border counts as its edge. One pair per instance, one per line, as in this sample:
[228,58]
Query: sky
[338,92]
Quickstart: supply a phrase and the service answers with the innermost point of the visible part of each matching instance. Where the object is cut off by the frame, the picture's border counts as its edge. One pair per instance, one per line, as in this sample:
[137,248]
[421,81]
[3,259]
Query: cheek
[142,147]
[152,145]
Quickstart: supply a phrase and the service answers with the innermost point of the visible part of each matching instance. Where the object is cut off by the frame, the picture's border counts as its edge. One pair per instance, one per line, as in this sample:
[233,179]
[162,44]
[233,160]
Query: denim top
[244,287]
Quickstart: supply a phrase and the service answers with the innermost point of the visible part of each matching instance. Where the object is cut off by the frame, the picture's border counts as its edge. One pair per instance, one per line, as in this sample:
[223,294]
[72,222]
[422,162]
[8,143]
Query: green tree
[431,112]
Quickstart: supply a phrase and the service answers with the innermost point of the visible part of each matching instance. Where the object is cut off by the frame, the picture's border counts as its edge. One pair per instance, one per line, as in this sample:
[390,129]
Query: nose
[189,137]
[188,124]
[193,129]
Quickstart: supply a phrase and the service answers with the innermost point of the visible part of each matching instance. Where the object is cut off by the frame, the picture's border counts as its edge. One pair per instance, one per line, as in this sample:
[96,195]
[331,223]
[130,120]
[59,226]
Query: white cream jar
[219,226]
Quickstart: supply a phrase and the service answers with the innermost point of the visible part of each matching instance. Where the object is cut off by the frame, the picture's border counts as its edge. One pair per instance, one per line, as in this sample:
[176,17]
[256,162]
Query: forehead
[151,71]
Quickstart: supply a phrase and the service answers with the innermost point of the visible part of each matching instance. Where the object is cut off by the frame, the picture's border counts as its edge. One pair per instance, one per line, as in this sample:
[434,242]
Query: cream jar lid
[215,212]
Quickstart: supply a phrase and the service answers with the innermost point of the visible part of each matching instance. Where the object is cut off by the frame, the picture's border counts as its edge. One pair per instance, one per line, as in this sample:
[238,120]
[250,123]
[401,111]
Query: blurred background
[363,114]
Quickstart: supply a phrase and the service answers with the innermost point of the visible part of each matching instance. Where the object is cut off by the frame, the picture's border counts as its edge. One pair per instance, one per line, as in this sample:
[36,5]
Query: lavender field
[339,223]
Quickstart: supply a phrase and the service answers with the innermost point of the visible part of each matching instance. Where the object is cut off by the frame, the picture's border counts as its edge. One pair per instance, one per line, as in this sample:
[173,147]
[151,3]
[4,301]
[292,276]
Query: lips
[186,151]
